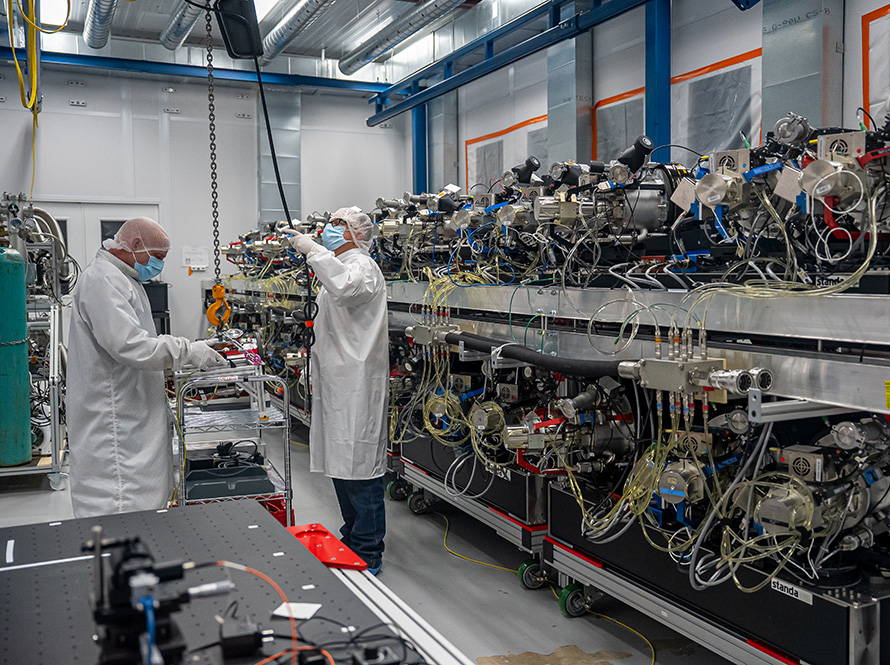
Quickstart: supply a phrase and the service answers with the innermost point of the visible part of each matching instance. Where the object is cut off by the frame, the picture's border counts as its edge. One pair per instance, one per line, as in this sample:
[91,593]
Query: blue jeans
[364,517]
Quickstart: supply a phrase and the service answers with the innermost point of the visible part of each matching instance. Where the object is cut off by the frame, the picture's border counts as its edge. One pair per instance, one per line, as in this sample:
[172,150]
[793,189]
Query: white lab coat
[350,368]
[119,431]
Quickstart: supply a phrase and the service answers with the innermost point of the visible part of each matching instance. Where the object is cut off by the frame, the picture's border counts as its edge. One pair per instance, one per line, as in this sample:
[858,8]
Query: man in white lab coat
[119,433]
[350,378]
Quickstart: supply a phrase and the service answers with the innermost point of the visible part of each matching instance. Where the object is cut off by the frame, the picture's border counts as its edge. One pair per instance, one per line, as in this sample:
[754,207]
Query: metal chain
[211,106]
[19,341]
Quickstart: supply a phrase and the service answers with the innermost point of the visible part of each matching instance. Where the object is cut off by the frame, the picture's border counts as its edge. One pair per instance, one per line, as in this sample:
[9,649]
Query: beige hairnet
[362,229]
[153,236]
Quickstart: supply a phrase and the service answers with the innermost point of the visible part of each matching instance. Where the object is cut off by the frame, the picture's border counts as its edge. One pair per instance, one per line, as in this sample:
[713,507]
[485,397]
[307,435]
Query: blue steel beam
[567,29]
[446,64]
[658,71]
[419,147]
[170,69]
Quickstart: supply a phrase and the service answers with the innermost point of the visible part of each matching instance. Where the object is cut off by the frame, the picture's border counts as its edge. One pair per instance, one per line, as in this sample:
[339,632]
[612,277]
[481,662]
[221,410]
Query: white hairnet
[153,236]
[342,213]
[361,228]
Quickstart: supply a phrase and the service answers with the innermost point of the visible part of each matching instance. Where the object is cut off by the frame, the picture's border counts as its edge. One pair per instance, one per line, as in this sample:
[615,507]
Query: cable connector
[240,637]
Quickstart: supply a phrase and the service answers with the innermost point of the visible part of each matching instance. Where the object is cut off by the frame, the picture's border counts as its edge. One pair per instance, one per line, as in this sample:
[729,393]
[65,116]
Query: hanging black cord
[310,307]
[259,80]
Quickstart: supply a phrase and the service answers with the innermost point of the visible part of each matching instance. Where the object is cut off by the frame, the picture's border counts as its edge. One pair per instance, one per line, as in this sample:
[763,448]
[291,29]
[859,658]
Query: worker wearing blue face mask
[350,377]
[120,445]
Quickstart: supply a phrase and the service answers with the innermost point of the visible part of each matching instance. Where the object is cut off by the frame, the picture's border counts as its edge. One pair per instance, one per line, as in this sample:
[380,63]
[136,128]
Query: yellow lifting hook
[219,311]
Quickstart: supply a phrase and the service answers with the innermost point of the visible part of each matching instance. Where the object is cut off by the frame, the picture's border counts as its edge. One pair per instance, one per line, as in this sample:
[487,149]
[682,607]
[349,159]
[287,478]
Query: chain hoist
[219,311]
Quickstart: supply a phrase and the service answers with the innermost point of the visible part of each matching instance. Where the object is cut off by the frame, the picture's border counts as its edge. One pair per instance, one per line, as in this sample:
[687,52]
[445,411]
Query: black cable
[259,79]
[310,308]
[676,145]
[868,115]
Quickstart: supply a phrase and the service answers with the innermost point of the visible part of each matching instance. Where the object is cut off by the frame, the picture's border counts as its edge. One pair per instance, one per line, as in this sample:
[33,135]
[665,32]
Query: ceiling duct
[396,32]
[97,25]
[294,22]
[180,25]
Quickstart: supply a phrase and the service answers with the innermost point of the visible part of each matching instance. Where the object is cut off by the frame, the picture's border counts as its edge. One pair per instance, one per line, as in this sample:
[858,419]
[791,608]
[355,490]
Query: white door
[84,221]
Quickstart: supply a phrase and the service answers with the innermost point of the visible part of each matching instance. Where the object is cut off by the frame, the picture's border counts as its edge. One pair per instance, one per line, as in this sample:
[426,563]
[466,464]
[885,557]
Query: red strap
[547,423]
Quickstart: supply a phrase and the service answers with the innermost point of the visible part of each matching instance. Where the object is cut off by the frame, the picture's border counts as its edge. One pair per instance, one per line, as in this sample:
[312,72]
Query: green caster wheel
[530,574]
[397,490]
[417,504]
[571,600]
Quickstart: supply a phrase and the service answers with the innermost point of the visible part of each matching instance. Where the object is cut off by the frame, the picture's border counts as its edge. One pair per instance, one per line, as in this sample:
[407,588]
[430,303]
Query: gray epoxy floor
[483,611]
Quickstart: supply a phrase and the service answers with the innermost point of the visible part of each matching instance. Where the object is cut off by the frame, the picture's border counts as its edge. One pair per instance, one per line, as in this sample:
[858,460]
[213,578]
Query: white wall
[123,154]
[500,100]
[702,33]
[707,32]
[344,161]
[619,55]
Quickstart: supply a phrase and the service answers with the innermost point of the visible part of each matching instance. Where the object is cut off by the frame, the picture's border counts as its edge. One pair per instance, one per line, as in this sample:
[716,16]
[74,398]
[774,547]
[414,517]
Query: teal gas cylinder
[15,389]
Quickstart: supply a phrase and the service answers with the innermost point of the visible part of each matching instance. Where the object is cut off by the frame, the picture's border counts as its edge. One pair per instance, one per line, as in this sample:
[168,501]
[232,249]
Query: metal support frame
[658,71]
[190,71]
[556,32]
[419,148]
[865,634]
[531,541]
[792,409]
[258,419]
[716,638]
[658,59]
[445,66]
[392,610]
[48,317]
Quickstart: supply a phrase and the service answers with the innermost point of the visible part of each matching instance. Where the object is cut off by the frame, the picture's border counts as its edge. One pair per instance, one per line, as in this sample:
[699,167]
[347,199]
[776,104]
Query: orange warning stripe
[867,20]
[605,102]
[679,78]
[722,64]
[494,135]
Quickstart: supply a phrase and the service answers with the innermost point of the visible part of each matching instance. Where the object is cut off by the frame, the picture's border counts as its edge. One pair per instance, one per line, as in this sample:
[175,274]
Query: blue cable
[544,267]
[513,278]
[454,251]
[148,605]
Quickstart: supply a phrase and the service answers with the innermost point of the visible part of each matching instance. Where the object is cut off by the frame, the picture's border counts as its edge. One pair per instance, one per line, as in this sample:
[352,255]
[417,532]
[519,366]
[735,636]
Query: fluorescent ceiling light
[53,12]
[263,7]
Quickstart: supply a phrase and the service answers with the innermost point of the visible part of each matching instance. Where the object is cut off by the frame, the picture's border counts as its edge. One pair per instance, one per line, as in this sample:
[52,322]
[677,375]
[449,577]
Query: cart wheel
[417,504]
[530,574]
[571,600]
[58,481]
[397,490]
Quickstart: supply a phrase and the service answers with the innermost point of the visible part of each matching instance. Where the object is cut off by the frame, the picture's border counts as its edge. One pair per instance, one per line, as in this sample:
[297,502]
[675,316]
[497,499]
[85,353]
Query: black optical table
[46,579]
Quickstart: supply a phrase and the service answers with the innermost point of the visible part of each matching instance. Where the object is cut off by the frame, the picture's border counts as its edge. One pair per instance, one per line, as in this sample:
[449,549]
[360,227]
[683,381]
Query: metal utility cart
[44,317]
[231,405]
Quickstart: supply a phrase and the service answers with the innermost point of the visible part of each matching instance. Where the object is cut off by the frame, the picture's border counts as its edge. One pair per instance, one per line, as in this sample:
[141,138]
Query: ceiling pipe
[97,25]
[395,33]
[303,13]
[181,23]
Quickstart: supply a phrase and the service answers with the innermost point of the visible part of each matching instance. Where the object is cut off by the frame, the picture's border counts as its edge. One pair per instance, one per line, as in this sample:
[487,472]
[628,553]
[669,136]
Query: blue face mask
[153,268]
[332,237]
